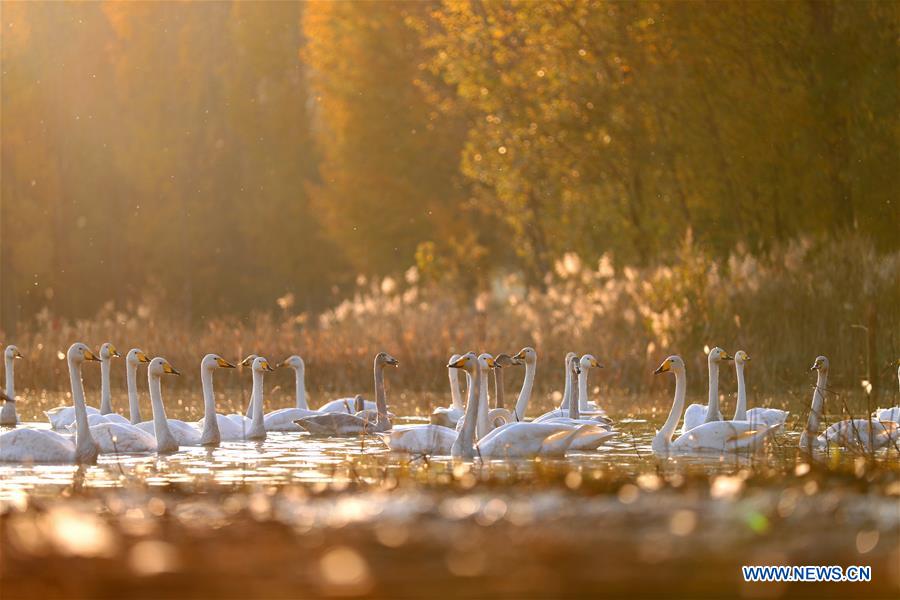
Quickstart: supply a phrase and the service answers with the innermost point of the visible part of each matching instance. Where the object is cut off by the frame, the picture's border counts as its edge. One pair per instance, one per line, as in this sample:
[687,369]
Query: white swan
[169,433]
[133,359]
[8,416]
[62,417]
[211,434]
[772,417]
[236,427]
[866,435]
[283,418]
[892,413]
[572,393]
[714,437]
[341,424]
[44,446]
[572,414]
[449,416]
[107,352]
[705,413]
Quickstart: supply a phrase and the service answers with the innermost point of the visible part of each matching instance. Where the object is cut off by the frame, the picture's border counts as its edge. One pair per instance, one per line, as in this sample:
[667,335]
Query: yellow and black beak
[18,355]
[247,362]
[88,355]
[266,367]
[665,367]
[143,357]
[224,364]
[725,356]
[113,351]
[167,368]
[596,364]
[459,363]
[491,363]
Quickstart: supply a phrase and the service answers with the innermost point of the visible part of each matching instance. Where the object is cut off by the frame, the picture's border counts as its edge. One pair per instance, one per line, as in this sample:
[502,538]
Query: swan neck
[498,388]
[85,448]
[380,397]
[256,420]
[105,399]
[10,377]
[712,409]
[740,412]
[575,412]
[300,384]
[525,392]
[567,389]
[464,446]
[483,426]
[664,435]
[210,433]
[455,394]
[161,429]
[818,404]
[134,407]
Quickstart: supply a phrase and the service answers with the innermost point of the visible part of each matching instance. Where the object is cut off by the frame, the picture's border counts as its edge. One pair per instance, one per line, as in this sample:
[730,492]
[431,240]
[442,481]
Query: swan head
[454,358]
[527,354]
[294,361]
[717,355]
[248,362]
[741,358]
[12,352]
[78,353]
[487,361]
[467,361]
[261,364]
[589,362]
[821,365]
[383,359]
[159,366]
[214,361]
[108,351]
[505,360]
[136,356]
[673,363]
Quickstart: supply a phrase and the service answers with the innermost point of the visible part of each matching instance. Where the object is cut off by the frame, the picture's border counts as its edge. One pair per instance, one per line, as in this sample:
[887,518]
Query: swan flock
[468,428]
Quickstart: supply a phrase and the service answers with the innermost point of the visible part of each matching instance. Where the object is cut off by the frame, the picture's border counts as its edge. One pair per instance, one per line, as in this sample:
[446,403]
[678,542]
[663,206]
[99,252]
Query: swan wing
[722,437]
[116,438]
[36,445]
[283,419]
[422,439]
[63,416]
[694,415]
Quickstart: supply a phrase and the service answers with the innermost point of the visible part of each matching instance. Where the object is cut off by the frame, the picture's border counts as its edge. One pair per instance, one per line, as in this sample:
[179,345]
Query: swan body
[449,416]
[714,437]
[705,413]
[435,440]
[893,413]
[571,413]
[63,416]
[527,440]
[864,435]
[282,419]
[45,446]
[345,405]
[98,419]
[771,417]
[340,424]
[888,414]
[8,416]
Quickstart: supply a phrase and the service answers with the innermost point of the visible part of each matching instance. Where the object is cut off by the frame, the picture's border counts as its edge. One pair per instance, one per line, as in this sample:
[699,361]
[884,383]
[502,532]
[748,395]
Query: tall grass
[785,307]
